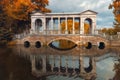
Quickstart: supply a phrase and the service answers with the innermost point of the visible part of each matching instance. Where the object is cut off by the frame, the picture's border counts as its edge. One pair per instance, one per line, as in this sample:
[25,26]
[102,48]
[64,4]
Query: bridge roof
[87,12]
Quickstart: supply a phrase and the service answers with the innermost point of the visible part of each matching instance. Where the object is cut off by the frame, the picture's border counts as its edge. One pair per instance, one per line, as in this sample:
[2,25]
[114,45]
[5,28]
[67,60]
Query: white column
[52,64]
[59,29]
[32,30]
[82,26]
[73,63]
[93,64]
[81,65]
[32,58]
[93,25]
[66,62]
[44,64]
[59,63]
[45,25]
[66,27]
[51,25]
[73,26]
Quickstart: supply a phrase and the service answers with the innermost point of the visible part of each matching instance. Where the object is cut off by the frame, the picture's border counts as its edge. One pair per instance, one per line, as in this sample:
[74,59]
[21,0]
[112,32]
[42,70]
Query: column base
[73,32]
[81,32]
[59,32]
[66,32]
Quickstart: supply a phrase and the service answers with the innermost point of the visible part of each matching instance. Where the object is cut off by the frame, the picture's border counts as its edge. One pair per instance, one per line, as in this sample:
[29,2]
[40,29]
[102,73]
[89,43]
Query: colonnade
[60,20]
[44,58]
[48,22]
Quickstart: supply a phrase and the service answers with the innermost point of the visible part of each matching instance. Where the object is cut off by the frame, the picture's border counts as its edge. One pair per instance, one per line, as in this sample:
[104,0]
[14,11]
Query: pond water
[50,63]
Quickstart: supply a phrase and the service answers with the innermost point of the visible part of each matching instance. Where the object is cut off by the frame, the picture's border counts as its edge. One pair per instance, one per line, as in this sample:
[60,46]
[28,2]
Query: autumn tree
[70,26]
[104,30]
[15,14]
[109,31]
[86,28]
[17,11]
[77,26]
[20,9]
[116,11]
[117,70]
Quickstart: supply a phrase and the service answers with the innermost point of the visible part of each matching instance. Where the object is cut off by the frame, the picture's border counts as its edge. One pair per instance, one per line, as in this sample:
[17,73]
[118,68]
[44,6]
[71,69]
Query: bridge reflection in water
[46,61]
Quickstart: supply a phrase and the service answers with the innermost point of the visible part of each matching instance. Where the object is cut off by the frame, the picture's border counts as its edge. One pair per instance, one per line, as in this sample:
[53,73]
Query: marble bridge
[77,39]
[48,27]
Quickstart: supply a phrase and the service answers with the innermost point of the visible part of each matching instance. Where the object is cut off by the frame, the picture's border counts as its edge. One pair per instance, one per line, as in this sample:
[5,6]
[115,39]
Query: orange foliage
[116,10]
[70,25]
[86,28]
[19,9]
[66,44]
[109,31]
[77,26]
[117,70]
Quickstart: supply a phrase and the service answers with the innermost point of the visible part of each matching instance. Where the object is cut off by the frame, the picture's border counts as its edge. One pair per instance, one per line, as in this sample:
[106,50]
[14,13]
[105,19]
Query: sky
[105,16]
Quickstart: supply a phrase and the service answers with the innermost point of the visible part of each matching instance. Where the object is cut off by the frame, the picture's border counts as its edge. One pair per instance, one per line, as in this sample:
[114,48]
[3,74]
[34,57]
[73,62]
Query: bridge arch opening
[101,45]
[38,64]
[38,25]
[37,44]
[27,44]
[62,44]
[88,26]
[88,64]
[88,45]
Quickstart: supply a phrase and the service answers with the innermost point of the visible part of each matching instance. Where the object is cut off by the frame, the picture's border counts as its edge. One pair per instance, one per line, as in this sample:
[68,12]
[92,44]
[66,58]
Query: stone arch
[26,44]
[89,45]
[88,26]
[38,64]
[101,45]
[89,68]
[38,25]
[37,44]
[62,39]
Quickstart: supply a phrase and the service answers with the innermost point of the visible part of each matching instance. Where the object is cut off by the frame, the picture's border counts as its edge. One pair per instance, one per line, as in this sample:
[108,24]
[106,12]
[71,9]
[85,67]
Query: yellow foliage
[109,31]
[86,28]
[11,43]
[104,30]
[66,44]
[116,10]
[70,25]
[77,26]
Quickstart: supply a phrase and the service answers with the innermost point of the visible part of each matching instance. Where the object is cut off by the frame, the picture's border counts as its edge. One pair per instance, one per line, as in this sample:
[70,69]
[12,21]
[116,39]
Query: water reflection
[46,61]
[14,67]
[62,44]
[52,65]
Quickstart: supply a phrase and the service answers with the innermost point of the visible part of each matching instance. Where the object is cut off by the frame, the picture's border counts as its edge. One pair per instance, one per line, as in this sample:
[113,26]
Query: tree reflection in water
[14,67]
[117,70]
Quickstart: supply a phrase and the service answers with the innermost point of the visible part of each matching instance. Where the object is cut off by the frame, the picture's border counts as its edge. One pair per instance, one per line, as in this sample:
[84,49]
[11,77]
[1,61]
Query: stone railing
[109,37]
[21,35]
[58,32]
